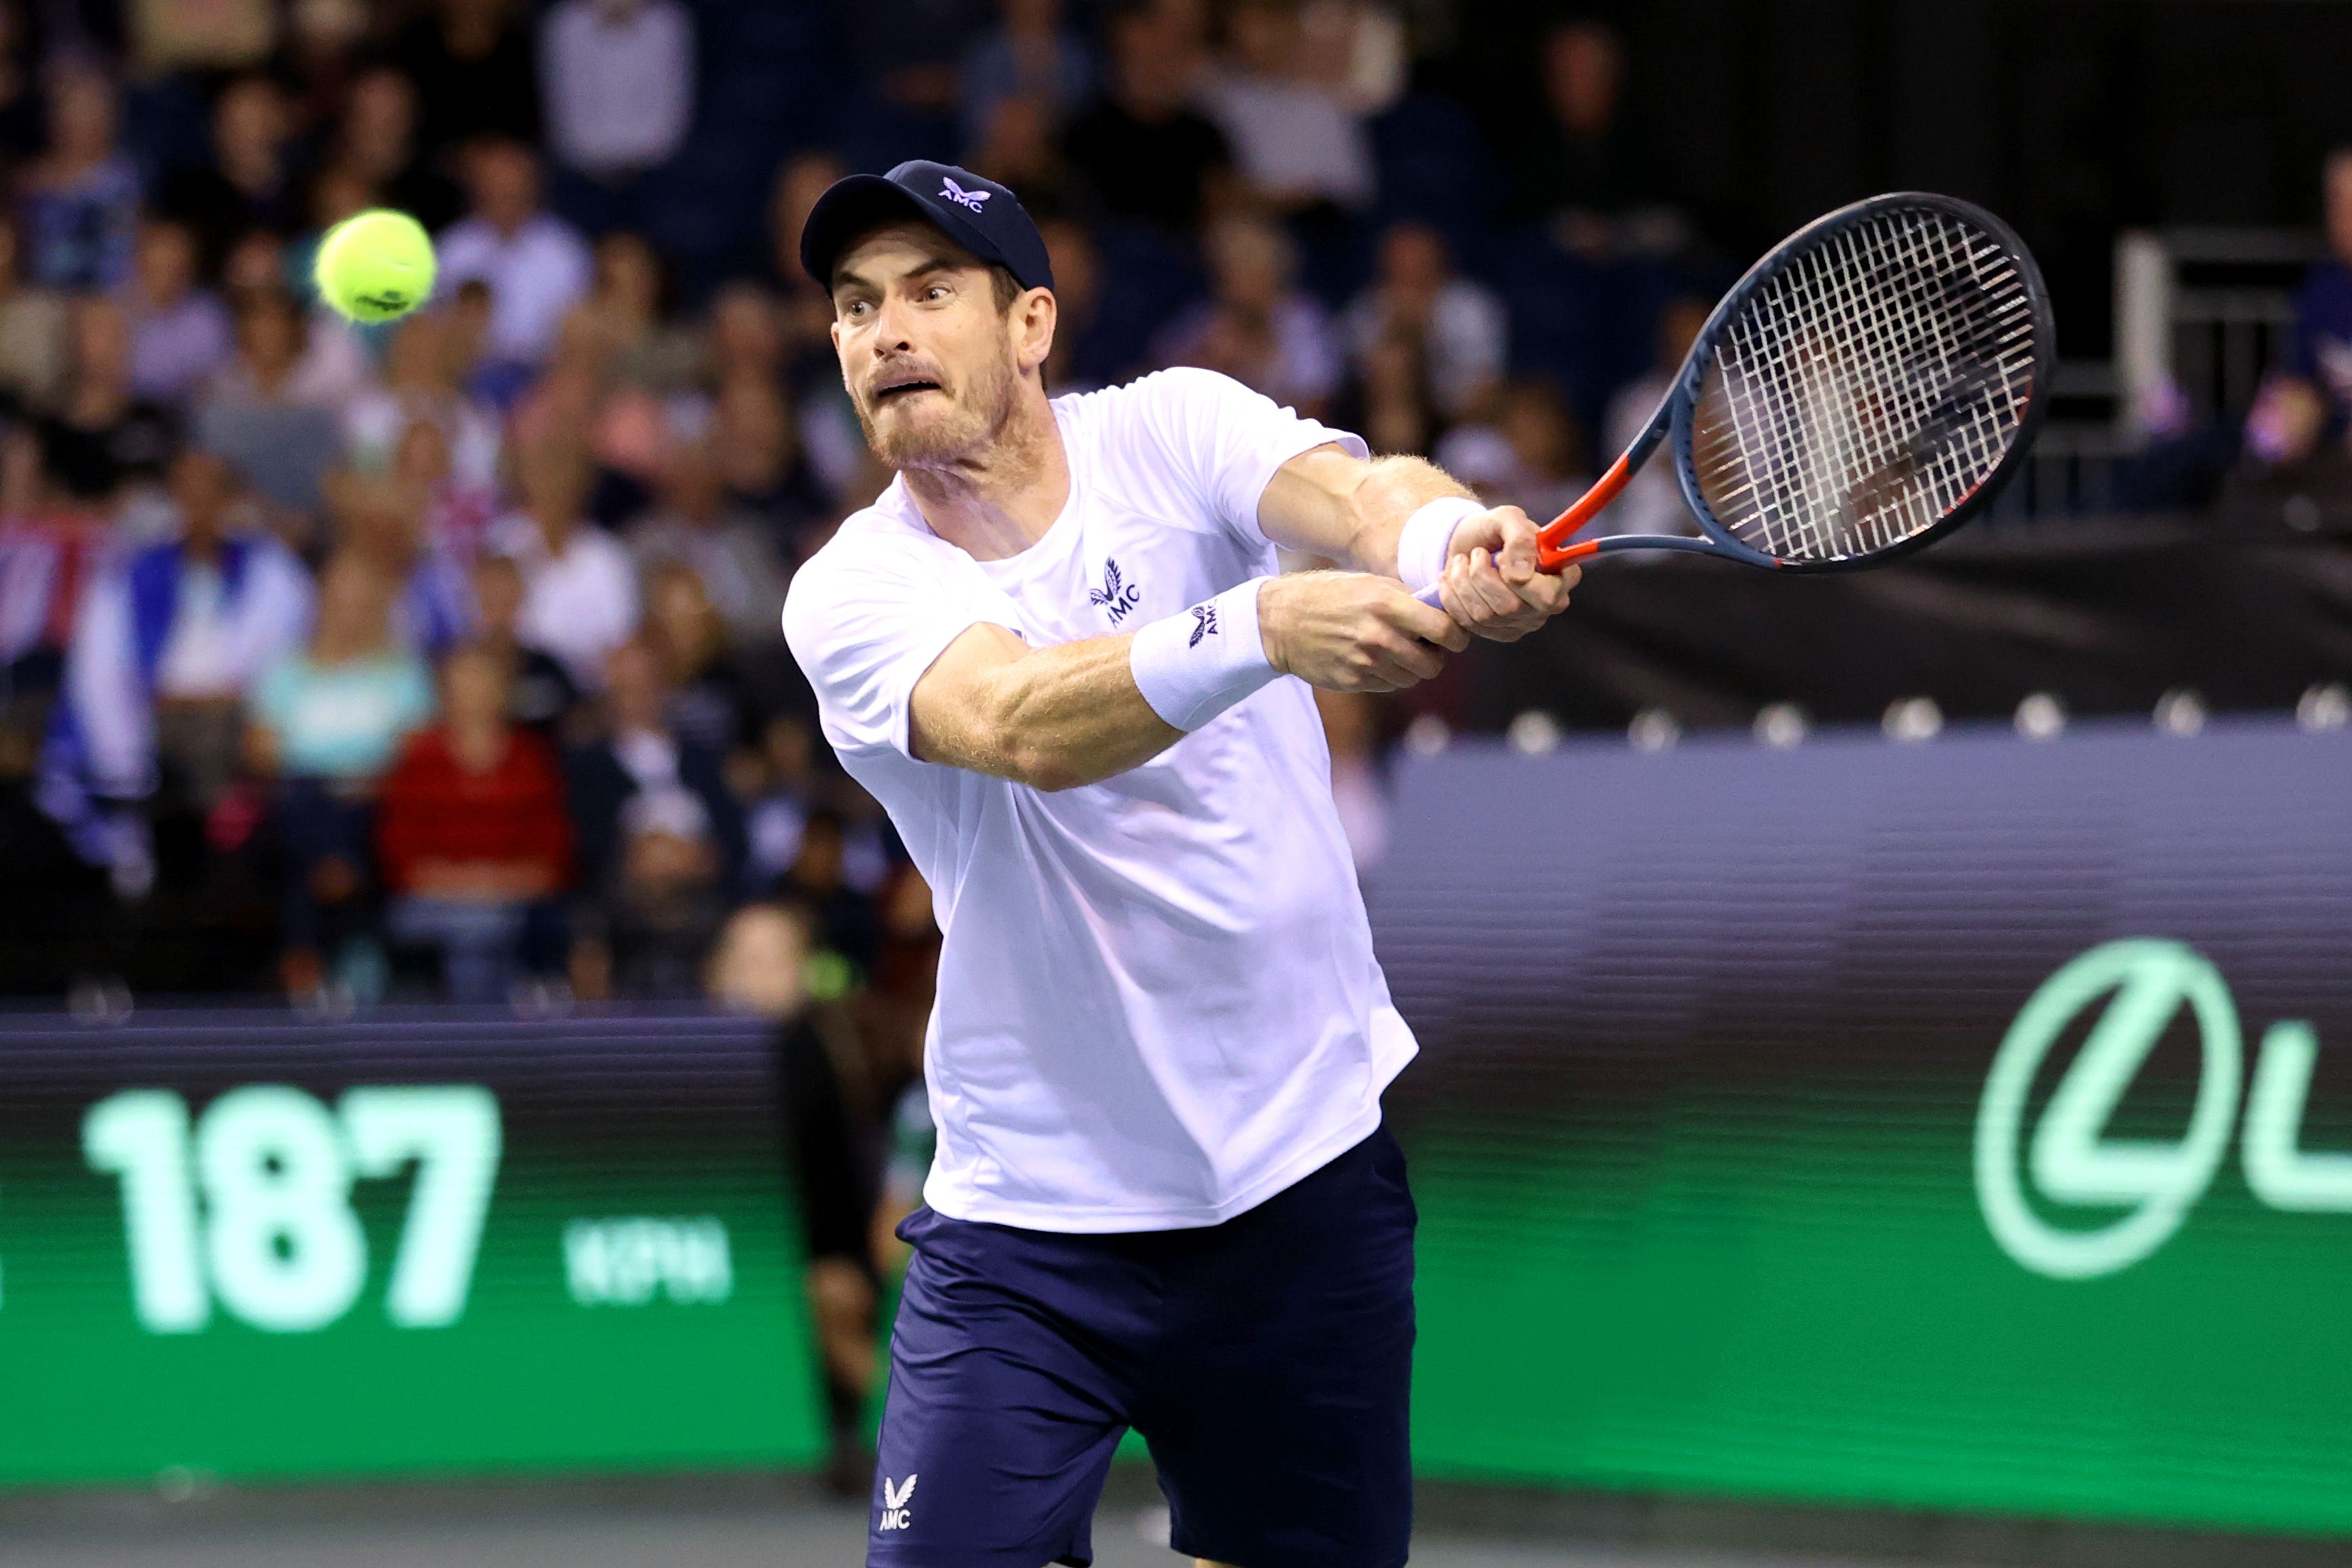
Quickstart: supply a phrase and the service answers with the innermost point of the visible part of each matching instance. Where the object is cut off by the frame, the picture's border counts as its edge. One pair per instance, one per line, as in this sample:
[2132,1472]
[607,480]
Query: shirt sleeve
[865,619]
[1225,441]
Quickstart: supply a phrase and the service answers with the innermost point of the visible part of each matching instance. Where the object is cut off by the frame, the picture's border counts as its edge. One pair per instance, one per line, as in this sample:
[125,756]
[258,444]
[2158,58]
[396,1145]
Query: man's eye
[857,306]
[936,291]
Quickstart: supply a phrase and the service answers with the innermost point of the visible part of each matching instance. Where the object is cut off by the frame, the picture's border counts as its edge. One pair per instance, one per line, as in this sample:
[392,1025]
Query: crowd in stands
[441,658]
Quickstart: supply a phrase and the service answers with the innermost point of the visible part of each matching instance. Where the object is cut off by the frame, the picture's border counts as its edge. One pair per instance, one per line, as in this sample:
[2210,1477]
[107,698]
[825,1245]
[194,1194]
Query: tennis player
[1055,649]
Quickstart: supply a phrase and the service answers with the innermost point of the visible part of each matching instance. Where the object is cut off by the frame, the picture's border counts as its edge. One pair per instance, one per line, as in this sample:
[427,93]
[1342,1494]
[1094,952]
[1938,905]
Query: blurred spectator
[830,1097]
[540,693]
[382,519]
[1651,501]
[579,587]
[103,434]
[421,388]
[757,452]
[1144,152]
[1028,54]
[778,784]
[1531,454]
[1458,324]
[625,315]
[826,425]
[320,58]
[1583,167]
[377,143]
[1356,49]
[1076,362]
[81,196]
[618,80]
[200,35]
[249,183]
[180,333]
[806,314]
[33,351]
[50,896]
[471,832]
[471,61]
[1017,147]
[745,335]
[2312,399]
[253,414]
[723,544]
[168,643]
[1294,142]
[459,511]
[256,260]
[537,266]
[821,877]
[710,702]
[326,721]
[661,838]
[1388,402]
[1258,328]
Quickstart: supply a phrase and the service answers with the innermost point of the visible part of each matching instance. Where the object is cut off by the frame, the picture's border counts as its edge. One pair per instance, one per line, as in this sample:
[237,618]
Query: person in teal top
[345,720]
[327,720]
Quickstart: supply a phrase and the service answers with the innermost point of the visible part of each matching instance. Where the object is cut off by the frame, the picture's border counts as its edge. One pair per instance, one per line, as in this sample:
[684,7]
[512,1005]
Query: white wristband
[1428,538]
[1194,665]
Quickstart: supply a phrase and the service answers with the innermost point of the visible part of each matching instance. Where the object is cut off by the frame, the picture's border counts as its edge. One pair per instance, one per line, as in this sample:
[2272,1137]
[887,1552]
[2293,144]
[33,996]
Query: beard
[980,410]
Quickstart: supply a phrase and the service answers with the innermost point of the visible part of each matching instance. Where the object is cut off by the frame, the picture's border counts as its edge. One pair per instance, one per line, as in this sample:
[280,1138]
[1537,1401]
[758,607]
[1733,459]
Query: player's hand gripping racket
[1865,387]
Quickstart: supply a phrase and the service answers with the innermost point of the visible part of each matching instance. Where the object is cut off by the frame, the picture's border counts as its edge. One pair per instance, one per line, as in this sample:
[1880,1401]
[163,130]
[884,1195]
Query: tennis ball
[374,266]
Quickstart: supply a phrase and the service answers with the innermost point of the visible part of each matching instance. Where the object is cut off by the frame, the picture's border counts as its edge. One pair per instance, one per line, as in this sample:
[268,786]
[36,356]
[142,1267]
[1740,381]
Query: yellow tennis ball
[374,266]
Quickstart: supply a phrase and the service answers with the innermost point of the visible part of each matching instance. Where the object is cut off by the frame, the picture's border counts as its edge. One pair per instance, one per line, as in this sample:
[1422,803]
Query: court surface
[419,1530]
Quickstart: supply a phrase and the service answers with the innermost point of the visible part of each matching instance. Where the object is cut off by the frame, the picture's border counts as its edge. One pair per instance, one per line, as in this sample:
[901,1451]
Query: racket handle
[1551,554]
[1547,560]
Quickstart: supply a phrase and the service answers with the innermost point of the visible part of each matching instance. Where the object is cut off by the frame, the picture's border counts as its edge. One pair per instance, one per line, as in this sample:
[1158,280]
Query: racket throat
[1552,549]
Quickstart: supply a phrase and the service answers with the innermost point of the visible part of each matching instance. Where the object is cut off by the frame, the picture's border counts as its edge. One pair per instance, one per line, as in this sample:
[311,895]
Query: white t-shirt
[580,605]
[1158,1004]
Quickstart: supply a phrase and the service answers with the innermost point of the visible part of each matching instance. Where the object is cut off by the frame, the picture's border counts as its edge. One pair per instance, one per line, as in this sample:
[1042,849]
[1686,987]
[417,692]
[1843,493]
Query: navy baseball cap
[979,214]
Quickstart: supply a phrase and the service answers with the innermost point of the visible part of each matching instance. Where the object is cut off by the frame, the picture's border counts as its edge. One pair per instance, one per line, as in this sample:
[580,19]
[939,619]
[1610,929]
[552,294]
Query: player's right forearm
[1053,719]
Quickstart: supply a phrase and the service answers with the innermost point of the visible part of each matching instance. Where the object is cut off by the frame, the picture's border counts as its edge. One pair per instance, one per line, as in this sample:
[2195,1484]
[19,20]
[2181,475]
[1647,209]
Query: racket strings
[1867,388]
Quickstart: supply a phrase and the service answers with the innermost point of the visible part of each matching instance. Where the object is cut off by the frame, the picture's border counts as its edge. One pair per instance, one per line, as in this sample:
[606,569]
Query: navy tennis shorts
[1266,1361]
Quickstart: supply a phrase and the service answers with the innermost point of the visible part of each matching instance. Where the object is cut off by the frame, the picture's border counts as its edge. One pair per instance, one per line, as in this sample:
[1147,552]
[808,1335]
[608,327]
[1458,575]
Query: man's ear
[1035,316]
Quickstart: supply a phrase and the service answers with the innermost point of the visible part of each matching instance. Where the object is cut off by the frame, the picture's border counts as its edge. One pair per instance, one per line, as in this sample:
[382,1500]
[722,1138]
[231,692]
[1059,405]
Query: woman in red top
[471,832]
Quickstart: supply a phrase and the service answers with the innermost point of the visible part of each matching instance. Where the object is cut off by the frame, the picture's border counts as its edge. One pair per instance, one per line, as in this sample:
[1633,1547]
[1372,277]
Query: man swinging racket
[1053,649]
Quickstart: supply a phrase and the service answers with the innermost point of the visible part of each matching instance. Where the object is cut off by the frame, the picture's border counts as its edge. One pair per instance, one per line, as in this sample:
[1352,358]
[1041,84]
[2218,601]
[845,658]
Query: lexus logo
[2146,983]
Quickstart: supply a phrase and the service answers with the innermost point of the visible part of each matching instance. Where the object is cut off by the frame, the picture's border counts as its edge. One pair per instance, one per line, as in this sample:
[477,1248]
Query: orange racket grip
[1552,549]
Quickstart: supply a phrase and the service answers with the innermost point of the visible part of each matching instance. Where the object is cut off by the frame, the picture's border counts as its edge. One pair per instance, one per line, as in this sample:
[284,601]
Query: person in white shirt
[618,79]
[1459,325]
[580,586]
[1056,649]
[1296,142]
[536,265]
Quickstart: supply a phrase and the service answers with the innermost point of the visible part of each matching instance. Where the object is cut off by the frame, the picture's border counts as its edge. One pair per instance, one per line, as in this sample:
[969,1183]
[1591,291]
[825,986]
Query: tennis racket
[1866,387]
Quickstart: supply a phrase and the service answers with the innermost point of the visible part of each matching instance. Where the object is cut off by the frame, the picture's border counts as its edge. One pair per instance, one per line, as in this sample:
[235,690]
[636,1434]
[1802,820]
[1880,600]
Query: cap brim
[859,203]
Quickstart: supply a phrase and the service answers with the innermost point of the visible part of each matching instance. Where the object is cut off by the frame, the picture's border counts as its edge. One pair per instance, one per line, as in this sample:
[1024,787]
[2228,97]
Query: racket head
[1866,387]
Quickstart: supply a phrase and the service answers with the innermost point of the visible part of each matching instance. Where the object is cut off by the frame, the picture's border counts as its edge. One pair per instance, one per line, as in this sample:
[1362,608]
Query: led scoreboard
[249,1246]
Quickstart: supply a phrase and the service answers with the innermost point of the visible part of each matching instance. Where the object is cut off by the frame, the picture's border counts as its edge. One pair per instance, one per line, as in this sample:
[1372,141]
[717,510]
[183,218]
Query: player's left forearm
[1328,503]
